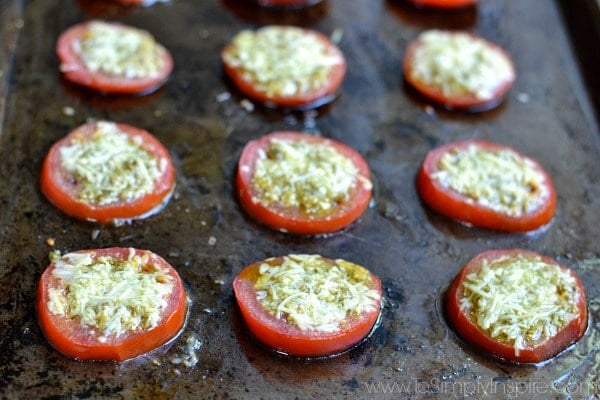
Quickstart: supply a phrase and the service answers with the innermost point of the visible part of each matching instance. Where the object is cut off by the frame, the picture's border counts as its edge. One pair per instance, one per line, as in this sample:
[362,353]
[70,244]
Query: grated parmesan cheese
[520,301]
[460,64]
[110,295]
[282,60]
[314,178]
[109,166]
[119,50]
[313,294]
[498,179]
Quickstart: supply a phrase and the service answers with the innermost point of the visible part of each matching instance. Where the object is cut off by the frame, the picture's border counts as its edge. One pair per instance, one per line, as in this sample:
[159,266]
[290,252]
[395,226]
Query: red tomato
[470,100]
[293,219]
[312,97]
[286,3]
[447,4]
[75,339]
[286,337]
[465,208]
[75,69]
[138,2]
[539,351]
[62,189]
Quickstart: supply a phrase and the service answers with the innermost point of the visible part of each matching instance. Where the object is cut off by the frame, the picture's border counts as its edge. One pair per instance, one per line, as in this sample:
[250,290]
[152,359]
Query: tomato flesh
[75,70]
[444,4]
[285,337]
[477,337]
[73,339]
[460,207]
[138,2]
[287,3]
[311,98]
[468,101]
[290,219]
[61,188]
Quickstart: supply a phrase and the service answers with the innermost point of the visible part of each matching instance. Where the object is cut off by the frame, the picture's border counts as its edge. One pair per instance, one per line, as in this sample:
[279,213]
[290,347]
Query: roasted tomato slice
[487,185]
[110,304]
[108,172]
[444,4]
[458,70]
[308,305]
[517,305]
[113,58]
[303,184]
[285,66]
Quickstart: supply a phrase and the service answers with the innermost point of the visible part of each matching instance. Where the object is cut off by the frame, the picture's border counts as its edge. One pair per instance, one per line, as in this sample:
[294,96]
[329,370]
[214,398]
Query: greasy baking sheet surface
[206,236]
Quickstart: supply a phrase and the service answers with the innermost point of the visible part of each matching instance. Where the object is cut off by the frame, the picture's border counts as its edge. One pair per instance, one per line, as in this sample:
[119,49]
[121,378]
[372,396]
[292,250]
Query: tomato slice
[121,78]
[444,4]
[304,69]
[64,187]
[295,216]
[116,283]
[280,332]
[487,195]
[458,70]
[550,332]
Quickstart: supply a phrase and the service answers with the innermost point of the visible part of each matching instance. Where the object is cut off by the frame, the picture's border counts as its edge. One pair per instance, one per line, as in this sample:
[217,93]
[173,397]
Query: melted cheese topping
[520,301]
[282,61]
[498,179]
[110,167]
[121,51]
[460,64]
[110,295]
[315,178]
[313,294]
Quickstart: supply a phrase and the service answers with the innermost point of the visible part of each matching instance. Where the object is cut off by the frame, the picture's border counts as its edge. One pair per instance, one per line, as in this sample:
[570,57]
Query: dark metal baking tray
[548,115]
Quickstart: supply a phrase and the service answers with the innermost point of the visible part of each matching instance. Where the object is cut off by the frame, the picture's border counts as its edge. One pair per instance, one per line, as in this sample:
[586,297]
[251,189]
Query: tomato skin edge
[467,102]
[287,3]
[57,329]
[53,187]
[473,335]
[297,224]
[457,206]
[284,338]
[443,4]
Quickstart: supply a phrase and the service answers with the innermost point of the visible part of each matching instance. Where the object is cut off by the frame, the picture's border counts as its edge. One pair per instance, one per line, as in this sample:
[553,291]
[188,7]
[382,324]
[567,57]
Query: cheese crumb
[54,255]
[314,294]
[68,111]
[110,167]
[111,295]
[282,60]
[315,178]
[520,301]
[459,63]
[119,50]
[498,179]
[189,358]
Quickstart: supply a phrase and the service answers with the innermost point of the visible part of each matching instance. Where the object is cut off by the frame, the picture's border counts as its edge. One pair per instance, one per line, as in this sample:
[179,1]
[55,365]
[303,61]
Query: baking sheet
[208,238]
